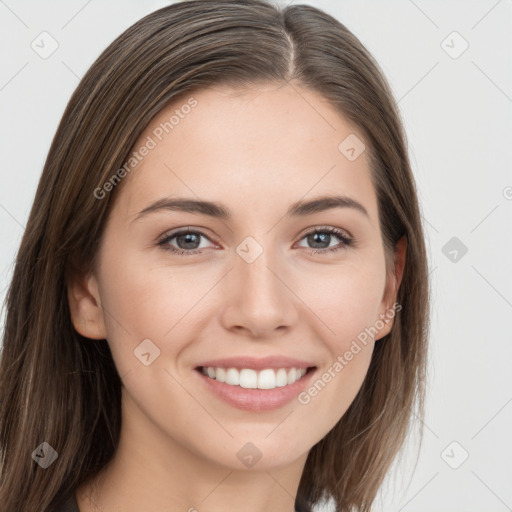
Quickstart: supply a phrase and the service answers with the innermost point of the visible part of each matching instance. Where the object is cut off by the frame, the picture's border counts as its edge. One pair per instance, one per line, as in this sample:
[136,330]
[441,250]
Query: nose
[258,299]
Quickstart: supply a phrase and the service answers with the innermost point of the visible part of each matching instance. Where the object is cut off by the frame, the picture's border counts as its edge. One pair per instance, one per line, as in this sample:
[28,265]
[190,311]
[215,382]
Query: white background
[457,114]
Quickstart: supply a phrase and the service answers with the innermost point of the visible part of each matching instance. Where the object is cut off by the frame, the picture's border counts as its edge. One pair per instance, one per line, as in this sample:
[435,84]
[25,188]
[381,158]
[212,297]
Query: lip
[256,400]
[253,363]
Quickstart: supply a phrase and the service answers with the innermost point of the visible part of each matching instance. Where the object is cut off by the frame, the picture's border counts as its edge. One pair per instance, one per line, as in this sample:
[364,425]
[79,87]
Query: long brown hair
[59,387]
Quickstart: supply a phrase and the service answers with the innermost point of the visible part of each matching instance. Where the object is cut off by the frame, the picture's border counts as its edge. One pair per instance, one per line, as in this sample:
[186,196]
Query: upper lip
[257,363]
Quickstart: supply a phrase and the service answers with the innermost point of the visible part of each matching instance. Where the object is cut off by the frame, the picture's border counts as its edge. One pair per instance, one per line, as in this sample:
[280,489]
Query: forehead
[271,143]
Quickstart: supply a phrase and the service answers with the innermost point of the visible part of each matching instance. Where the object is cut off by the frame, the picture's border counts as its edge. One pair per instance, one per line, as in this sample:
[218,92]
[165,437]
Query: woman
[256,369]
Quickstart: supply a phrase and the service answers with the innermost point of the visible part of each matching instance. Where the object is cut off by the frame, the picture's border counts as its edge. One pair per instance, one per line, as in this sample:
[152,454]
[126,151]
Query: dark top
[69,504]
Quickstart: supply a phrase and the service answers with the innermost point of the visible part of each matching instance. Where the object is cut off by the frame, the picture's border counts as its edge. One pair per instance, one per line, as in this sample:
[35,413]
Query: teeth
[232,377]
[248,379]
[266,379]
[281,378]
[252,379]
[220,374]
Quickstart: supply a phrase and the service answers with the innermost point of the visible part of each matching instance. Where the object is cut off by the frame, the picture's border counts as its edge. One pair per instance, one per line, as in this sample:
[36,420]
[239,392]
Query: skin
[256,150]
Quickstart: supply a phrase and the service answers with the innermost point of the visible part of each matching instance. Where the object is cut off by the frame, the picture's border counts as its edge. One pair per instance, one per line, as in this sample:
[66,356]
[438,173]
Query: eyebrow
[219,211]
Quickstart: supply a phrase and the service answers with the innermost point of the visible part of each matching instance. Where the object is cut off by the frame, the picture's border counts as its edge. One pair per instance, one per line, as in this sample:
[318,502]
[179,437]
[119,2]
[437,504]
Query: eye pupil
[314,236]
[189,238]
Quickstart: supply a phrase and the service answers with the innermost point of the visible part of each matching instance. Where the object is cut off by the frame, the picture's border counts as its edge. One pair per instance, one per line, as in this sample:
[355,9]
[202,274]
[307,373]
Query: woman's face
[246,283]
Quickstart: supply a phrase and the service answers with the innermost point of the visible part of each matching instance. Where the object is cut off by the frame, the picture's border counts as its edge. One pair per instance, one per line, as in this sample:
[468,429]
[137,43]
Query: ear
[85,305]
[388,309]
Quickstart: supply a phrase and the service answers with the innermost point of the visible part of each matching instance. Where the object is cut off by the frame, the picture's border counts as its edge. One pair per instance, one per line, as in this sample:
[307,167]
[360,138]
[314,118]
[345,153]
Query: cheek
[156,301]
[346,298]
[140,302]
[347,302]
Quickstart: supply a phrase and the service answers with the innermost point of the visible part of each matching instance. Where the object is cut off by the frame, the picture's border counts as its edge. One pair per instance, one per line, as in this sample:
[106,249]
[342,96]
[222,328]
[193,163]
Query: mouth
[255,390]
[249,378]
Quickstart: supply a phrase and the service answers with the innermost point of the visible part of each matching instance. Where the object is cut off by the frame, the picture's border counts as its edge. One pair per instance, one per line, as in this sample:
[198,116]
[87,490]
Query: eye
[321,236]
[188,240]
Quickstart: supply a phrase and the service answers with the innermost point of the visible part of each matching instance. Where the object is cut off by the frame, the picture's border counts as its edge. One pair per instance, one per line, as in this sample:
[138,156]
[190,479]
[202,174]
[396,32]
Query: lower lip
[256,400]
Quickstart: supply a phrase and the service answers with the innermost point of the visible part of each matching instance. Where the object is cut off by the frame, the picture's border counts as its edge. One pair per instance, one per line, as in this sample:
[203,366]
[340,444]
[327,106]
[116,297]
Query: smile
[255,390]
[248,378]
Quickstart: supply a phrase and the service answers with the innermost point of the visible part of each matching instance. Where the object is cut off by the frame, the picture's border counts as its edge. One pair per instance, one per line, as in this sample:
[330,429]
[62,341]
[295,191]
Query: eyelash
[346,240]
